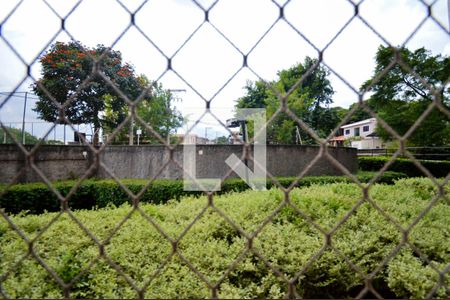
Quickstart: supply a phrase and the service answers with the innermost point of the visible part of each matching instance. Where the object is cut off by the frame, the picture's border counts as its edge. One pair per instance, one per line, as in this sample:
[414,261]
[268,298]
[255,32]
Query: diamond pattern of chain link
[249,248]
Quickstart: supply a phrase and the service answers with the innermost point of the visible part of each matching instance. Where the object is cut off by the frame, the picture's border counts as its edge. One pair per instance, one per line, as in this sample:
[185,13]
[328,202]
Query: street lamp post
[233,123]
[206,133]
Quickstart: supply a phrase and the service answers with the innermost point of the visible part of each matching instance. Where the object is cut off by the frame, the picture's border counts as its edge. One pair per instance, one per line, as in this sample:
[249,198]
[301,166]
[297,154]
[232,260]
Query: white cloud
[280,49]
[168,23]
[319,20]
[30,28]
[394,20]
[94,23]
[241,22]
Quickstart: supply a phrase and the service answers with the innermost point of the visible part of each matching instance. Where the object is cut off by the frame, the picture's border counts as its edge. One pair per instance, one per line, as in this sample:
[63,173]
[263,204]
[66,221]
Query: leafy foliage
[94,81]
[211,245]
[309,101]
[221,140]
[400,97]
[73,71]
[255,97]
[37,197]
[156,110]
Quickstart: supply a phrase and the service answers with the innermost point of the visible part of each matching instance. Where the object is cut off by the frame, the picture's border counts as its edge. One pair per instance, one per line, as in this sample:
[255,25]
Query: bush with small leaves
[37,198]
[289,243]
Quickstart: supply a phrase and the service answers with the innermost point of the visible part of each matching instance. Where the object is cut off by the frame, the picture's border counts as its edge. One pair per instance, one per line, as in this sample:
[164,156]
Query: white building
[361,134]
[191,138]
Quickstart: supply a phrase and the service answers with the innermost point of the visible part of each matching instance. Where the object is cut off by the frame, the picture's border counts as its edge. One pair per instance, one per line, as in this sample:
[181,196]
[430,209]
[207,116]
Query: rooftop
[366,121]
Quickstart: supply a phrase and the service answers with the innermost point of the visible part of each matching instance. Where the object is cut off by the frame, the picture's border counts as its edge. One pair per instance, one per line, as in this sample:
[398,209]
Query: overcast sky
[208,61]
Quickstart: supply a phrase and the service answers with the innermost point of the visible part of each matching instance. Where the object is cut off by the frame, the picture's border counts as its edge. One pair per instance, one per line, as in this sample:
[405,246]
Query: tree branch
[416,89]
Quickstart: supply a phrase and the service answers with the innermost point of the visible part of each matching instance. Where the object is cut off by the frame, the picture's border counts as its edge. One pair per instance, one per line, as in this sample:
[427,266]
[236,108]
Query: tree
[256,94]
[309,101]
[400,98]
[222,140]
[65,68]
[155,109]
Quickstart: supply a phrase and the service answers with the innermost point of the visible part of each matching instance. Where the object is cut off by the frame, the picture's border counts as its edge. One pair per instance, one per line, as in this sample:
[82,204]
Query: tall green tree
[222,140]
[399,97]
[360,114]
[65,68]
[156,109]
[309,101]
[255,97]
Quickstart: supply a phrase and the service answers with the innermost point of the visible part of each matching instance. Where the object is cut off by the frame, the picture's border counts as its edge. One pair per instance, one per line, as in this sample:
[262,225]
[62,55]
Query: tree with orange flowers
[75,81]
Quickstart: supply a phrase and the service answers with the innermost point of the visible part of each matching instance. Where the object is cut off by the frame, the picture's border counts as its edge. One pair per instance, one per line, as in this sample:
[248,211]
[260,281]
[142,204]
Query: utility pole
[23,118]
[243,124]
[244,131]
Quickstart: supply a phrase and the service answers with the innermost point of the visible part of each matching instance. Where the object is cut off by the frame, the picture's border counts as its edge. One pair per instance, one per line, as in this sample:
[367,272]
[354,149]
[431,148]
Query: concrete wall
[66,162]
[55,162]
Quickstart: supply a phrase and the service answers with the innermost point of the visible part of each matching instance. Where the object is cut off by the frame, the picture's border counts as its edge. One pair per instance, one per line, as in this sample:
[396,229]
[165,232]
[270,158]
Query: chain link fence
[368,279]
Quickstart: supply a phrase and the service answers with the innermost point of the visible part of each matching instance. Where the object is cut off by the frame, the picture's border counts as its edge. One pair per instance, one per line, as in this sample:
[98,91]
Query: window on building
[357,131]
[347,131]
[366,128]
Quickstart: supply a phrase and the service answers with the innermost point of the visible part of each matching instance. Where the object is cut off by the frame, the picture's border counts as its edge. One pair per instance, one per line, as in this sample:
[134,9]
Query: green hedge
[37,197]
[438,168]
[211,245]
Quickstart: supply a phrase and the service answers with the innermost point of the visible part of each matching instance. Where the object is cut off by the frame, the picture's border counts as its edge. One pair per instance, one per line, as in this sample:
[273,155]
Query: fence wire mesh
[249,237]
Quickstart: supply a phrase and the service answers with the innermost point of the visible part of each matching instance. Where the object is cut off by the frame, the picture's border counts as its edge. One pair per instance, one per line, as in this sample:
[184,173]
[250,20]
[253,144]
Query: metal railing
[431,153]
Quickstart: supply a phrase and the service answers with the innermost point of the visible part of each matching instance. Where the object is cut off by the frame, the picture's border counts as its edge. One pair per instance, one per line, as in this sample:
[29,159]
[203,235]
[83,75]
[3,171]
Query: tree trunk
[130,133]
[96,139]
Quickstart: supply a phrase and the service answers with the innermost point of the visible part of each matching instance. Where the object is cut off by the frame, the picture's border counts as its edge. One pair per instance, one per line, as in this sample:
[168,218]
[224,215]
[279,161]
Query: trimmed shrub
[38,198]
[212,245]
[438,168]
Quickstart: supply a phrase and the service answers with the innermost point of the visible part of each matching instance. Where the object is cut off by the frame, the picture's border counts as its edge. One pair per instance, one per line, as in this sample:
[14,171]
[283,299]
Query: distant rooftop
[366,121]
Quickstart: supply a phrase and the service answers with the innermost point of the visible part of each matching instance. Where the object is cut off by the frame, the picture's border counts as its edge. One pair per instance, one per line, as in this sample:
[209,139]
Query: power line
[206,123]
[26,92]
[12,94]
[34,122]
